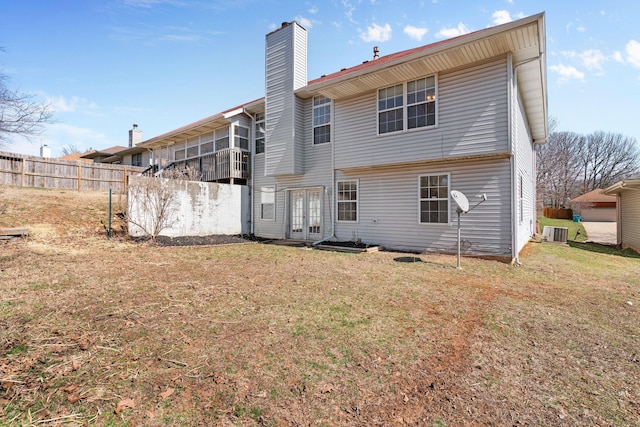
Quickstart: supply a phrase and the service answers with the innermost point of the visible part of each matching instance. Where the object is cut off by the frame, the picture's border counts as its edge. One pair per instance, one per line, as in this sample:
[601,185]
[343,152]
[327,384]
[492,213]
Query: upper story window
[407,105]
[434,199]
[259,133]
[321,120]
[222,138]
[390,109]
[241,137]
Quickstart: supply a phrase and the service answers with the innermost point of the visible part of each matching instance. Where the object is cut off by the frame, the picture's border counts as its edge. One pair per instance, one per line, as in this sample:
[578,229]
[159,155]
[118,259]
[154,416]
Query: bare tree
[558,168]
[151,202]
[20,113]
[607,157]
[70,149]
[572,164]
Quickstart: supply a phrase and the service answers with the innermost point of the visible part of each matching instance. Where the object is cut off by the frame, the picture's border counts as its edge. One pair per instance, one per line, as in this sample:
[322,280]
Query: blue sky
[105,64]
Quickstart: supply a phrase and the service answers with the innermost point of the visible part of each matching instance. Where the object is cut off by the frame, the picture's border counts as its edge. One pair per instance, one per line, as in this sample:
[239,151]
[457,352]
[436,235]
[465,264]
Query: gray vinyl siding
[630,220]
[524,158]
[318,174]
[389,209]
[285,71]
[472,120]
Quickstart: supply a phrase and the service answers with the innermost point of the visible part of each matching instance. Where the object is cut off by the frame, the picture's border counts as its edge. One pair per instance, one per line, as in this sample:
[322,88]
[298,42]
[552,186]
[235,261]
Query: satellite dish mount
[462,208]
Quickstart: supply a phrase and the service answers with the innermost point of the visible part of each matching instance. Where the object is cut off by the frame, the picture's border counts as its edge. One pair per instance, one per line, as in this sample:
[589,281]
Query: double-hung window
[434,199]
[321,120]
[347,203]
[390,109]
[407,105]
[259,133]
[268,203]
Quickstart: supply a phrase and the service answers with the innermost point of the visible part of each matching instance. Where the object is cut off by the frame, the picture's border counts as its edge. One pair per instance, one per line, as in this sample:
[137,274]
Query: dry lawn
[117,333]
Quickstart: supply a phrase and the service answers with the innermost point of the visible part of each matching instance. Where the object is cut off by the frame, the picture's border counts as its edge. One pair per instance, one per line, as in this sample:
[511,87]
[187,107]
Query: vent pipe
[376,53]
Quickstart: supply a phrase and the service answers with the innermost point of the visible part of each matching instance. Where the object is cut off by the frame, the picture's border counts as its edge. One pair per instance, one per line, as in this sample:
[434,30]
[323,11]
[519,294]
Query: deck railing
[230,163]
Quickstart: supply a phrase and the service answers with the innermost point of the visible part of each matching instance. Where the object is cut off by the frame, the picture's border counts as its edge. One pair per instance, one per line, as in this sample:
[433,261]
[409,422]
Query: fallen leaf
[73,397]
[164,395]
[71,388]
[125,404]
[75,364]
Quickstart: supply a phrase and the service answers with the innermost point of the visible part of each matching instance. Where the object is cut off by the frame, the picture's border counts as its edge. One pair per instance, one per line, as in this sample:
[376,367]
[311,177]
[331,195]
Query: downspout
[333,183]
[253,156]
[513,73]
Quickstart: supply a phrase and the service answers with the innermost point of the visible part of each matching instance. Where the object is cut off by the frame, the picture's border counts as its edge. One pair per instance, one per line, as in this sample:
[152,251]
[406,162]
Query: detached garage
[627,193]
[595,206]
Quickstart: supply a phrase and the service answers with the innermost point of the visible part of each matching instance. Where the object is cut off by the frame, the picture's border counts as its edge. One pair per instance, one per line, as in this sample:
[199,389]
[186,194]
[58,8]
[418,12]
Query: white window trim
[405,108]
[435,224]
[273,190]
[357,220]
[236,137]
[330,122]
[255,134]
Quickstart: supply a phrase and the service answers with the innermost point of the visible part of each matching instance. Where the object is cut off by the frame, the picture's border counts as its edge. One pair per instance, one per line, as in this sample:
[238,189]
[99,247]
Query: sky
[106,64]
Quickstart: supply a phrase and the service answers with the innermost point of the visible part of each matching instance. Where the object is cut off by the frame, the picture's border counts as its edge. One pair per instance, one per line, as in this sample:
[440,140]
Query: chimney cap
[135,126]
[376,52]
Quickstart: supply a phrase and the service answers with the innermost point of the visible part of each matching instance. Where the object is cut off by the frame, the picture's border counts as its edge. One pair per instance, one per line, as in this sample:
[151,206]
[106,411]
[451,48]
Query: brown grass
[110,332]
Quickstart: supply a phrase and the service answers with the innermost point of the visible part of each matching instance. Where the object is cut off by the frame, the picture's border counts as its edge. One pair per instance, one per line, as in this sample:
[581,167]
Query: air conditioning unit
[555,234]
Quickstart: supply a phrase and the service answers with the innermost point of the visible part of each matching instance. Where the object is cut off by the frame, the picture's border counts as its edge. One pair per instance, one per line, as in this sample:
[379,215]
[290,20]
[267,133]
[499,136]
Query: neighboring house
[74,156]
[134,155]
[627,193]
[371,153]
[108,155]
[595,206]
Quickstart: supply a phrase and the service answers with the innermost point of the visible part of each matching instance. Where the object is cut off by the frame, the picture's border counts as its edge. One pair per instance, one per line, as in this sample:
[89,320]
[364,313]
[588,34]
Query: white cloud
[73,104]
[349,9]
[446,33]
[633,53]
[306,23]
[567,73]
[313,10]
[617,56]
[501,17]
[376,33]
[593,60]
[581,29]
[59,135]
[415,32]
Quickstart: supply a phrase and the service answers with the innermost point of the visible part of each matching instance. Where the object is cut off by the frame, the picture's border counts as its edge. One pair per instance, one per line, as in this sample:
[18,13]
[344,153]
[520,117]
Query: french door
[305,214]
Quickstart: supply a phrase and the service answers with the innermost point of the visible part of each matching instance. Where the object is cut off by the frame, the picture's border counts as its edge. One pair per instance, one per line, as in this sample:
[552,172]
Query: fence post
[23,171]
[79,176]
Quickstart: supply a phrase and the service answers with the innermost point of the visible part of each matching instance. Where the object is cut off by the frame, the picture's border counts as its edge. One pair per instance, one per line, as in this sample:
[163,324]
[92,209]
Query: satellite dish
[461,200]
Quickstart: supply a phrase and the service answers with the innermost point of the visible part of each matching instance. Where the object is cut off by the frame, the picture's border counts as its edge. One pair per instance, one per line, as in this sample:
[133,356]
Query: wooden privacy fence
[558,213]
[30,171]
